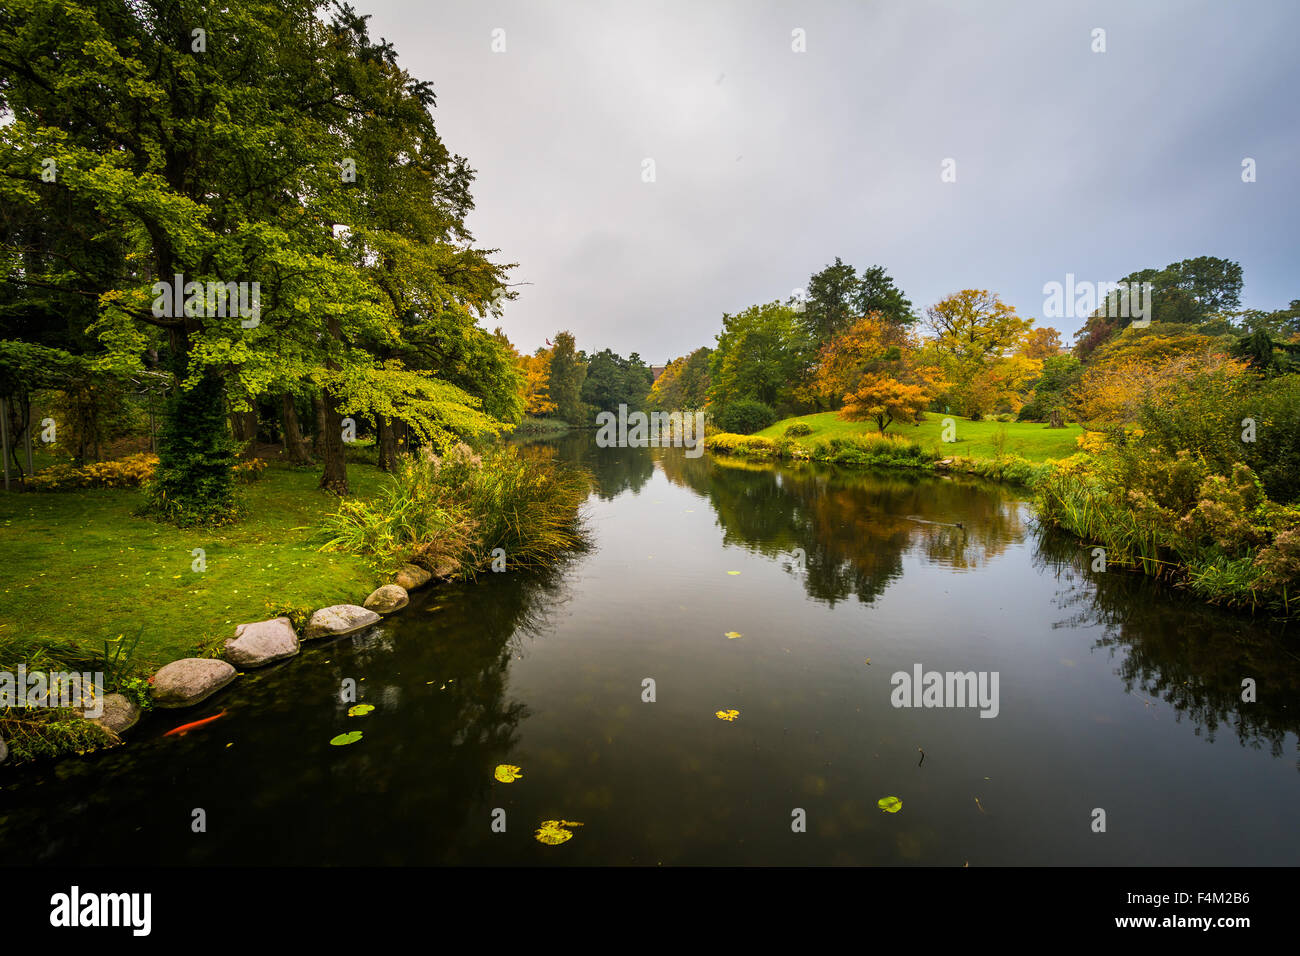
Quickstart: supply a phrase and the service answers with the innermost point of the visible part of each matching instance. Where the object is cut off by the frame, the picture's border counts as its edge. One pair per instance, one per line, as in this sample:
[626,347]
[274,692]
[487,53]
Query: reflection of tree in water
[615,469]
[854,526]
[1180,650]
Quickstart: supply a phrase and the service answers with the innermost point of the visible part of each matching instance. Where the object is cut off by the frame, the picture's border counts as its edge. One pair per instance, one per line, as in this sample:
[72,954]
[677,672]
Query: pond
[789,594]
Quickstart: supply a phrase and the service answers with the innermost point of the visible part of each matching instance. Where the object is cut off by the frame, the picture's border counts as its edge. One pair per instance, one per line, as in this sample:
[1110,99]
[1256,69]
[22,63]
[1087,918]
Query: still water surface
[1112,694]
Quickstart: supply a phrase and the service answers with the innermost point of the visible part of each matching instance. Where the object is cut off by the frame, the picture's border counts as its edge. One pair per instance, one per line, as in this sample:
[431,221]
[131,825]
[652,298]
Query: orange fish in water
[185,728]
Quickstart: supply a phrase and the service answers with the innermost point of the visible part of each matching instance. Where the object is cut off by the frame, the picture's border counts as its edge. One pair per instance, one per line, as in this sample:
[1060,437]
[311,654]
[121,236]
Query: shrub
[250,469]
[798,429]
[1173,516]
[450,514]
[1275,454]
[751,446]
[744,417]
[1031,411]
[127,472]
[1278,566]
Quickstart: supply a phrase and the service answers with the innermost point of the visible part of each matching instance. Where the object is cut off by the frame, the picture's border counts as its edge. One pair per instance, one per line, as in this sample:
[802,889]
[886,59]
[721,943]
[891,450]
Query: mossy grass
[80,567]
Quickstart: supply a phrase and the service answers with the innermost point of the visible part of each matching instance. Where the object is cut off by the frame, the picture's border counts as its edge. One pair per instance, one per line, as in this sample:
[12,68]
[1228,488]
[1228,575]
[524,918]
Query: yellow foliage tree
[974,333]
[875,368]
[1042,343]
[537,383]
[1139,362]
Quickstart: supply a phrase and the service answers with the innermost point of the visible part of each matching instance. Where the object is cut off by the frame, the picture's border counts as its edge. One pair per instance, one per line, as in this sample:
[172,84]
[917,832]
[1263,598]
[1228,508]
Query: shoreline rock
[190,681]
[337,620]
[262,642]
[120,714]
[411,576]
[387,599]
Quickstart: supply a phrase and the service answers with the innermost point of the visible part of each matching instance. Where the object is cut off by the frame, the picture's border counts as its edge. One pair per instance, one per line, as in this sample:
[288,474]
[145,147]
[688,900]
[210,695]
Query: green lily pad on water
[890,804]
[342,740]
[360,710]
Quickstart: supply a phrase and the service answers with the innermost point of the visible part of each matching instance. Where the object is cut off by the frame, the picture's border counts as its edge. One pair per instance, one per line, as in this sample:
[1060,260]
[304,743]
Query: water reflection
[1170,647]
[857,526]
[854,527]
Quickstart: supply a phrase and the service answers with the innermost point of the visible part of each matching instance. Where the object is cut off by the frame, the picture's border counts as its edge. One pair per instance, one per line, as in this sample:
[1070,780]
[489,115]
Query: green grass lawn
[77,567]
[982,439]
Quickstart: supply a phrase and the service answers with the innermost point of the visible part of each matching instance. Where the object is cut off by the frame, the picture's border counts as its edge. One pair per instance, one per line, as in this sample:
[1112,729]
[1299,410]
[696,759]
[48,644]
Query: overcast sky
[769,163]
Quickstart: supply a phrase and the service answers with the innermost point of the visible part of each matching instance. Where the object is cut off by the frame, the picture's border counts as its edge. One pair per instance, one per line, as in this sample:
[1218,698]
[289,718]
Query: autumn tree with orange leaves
[875,369]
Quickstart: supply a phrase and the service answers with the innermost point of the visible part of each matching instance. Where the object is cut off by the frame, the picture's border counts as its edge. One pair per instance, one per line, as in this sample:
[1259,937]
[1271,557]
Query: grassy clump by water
[48,730]
[1173,517]
[450,515]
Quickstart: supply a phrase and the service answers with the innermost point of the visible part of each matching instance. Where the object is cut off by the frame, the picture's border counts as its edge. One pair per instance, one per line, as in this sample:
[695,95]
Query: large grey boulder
[190,681]
[387,599]
[411,576]
[4,750]
[338,619]
[120,714]
[262,642]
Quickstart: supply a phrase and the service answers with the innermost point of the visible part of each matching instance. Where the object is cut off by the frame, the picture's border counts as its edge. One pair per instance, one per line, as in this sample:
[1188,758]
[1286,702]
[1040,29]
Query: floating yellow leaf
[733,572]
[732,635]
[507,773]
[727,714]
[553,832]
[890,804]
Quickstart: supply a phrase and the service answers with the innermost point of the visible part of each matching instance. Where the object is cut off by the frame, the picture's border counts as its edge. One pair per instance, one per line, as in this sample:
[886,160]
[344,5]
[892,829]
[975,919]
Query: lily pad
[890,804]
[360,710]
[342,740]
[507,773]
[727,714]
[554,832]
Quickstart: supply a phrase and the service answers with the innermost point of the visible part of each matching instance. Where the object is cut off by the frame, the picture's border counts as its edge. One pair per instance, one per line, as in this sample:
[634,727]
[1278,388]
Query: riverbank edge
[101,737]
[1009,469]
[1012,470]
[62,731]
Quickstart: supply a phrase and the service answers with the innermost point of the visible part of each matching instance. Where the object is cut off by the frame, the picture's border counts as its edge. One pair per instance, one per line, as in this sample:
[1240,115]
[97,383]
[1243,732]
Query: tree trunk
[243,426]
[329,432]
[387,444]
[294,446]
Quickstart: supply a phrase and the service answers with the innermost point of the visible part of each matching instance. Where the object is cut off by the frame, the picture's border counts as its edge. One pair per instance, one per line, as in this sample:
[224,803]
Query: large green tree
[761,355]
[877,293]
[1189,292]
[568,371]
[830,303]
[612,381]
[228,145]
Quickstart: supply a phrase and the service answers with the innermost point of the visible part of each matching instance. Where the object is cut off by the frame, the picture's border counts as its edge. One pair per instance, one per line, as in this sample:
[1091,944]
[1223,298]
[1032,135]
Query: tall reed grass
[450,515]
